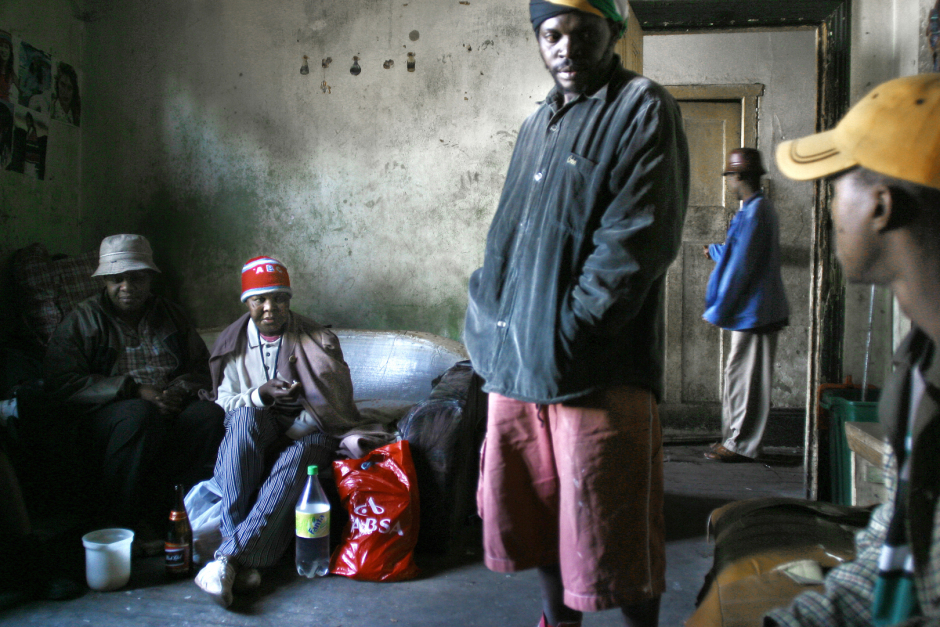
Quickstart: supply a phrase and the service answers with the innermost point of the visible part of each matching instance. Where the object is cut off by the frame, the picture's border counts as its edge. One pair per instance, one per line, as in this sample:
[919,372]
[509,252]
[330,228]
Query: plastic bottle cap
[311,470]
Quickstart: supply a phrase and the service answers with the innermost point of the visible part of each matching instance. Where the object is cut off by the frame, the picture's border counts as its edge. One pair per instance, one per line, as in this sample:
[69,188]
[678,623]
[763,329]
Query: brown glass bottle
[178,547]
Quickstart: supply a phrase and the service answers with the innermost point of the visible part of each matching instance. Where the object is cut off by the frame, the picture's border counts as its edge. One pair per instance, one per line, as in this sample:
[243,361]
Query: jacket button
[538,177]
[501,324]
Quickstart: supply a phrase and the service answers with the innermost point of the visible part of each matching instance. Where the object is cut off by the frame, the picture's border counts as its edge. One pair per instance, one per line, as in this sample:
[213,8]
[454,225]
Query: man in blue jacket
[745,296]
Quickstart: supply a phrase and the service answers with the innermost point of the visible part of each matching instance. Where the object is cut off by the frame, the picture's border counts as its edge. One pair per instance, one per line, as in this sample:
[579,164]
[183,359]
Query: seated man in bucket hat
[130,365]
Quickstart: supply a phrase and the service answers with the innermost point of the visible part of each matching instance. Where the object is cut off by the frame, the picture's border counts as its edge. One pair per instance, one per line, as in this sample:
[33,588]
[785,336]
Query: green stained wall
[47,210]
[376,190]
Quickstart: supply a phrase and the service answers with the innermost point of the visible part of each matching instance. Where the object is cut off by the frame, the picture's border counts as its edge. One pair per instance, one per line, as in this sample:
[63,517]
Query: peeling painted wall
[887,41]
[375,189]
[785,63]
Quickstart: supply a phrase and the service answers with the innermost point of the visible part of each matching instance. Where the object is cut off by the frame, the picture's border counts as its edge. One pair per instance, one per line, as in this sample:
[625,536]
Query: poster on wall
[34,89]
[66,96]
[30,136]
[34,78]
[6,134]
[8,89]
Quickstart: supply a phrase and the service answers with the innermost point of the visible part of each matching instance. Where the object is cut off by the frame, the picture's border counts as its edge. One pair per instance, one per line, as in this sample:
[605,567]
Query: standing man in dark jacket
[745,296]
[132,365]
[565,324]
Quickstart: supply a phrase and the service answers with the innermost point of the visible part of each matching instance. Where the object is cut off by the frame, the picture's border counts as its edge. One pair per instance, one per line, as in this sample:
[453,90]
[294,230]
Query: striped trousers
[262,474]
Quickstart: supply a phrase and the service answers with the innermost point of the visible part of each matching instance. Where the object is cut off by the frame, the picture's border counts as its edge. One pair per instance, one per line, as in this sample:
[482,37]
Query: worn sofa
[394,374]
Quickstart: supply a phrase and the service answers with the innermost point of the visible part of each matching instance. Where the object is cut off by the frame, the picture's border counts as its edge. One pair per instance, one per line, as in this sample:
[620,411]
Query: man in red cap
[565,323]
[883,156]
[745,296]
[288,395]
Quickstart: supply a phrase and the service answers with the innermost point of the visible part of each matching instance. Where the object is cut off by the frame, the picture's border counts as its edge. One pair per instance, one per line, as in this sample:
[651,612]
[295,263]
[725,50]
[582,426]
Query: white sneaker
[247,580]
[217,579]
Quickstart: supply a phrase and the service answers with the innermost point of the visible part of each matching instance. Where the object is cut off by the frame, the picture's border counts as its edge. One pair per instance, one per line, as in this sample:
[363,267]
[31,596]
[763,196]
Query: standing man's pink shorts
[579,484]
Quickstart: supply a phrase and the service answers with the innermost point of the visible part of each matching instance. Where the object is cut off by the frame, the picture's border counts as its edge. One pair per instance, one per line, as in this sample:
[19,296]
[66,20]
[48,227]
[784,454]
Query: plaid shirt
[848,597]
[145,358]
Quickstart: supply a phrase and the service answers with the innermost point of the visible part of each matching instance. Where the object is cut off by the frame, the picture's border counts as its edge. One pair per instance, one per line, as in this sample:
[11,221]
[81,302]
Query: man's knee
[132,415]
[244,423]
[202,418]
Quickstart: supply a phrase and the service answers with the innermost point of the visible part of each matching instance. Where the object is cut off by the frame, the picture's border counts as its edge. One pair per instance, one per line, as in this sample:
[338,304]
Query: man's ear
[614,32]
[883,211]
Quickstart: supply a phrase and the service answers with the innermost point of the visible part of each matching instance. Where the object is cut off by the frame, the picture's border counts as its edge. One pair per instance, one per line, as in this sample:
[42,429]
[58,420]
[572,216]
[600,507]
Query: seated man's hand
[148,393]
[166,404]
[277,390]
[173,399]
[167,401]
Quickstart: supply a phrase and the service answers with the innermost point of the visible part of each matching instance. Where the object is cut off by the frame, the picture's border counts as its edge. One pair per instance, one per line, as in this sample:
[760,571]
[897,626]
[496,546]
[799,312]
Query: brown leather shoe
[721,454]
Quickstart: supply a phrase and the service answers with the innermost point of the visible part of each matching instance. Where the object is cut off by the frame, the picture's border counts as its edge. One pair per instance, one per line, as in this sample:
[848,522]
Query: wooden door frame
[747,94]
[827,285]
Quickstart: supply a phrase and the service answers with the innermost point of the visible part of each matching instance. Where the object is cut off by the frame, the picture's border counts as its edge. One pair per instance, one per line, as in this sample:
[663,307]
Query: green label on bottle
[313,525]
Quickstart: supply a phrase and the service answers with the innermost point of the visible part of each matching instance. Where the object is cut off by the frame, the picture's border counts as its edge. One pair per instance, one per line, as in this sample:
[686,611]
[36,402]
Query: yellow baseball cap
[894,130]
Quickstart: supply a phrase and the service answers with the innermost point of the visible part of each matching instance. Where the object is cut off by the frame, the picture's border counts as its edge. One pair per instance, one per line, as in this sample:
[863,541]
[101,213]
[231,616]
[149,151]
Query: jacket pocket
[575,193]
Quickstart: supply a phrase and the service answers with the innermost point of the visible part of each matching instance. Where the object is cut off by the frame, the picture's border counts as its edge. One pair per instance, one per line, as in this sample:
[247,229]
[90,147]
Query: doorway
[814,337]
[716,118]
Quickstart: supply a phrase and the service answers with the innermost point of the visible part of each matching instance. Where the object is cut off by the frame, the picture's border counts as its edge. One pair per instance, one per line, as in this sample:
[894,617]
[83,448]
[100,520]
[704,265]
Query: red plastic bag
[380,492]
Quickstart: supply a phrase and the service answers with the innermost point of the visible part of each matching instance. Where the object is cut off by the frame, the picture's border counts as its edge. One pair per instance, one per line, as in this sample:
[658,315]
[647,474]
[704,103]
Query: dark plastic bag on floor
[445,432]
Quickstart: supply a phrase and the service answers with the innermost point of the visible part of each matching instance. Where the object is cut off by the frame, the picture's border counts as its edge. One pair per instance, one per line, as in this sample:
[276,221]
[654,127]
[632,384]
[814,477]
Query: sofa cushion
[49,287]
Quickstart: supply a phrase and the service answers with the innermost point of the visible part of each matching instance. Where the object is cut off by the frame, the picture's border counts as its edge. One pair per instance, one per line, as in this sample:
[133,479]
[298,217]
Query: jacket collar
[917,349]
[254,336]
[161,326]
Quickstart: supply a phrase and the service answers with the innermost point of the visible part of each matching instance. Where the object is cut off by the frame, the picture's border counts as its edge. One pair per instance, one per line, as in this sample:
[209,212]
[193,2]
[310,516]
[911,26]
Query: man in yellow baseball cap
[885,159]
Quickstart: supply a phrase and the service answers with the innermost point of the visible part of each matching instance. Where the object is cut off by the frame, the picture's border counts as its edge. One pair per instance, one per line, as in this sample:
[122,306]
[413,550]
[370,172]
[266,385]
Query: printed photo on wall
[30,135]
[34,77]
[9,92]
[6,134]
[66,96]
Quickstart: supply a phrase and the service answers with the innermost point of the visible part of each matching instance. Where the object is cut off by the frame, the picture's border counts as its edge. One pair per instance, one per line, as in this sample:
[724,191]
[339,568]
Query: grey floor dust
[458,594]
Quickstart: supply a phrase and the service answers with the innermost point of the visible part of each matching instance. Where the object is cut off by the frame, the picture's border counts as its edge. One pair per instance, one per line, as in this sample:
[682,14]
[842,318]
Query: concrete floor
[465,594]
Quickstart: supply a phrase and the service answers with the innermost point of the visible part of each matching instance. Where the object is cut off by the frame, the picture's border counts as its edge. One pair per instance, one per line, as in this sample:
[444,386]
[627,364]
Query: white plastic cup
[108,558]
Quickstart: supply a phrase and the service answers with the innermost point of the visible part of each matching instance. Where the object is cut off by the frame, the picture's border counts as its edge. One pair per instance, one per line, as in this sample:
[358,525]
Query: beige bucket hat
[124,253]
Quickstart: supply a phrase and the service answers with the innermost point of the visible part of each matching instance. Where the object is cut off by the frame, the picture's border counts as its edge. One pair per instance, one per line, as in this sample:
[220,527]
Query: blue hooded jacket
[745,290]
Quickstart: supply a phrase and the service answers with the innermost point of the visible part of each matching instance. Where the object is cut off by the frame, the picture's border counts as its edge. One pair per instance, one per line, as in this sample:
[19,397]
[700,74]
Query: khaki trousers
[745,404]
